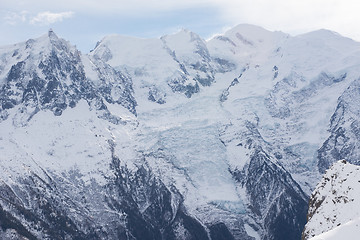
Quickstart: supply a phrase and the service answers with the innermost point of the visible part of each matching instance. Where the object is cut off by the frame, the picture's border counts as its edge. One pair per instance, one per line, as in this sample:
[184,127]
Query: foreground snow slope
[349,230]
[335,202]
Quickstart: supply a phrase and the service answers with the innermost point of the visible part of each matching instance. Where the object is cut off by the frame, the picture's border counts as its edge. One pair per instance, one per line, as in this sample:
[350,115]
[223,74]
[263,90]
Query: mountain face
[343,143]
[333,211]
[172,138]
[47,74]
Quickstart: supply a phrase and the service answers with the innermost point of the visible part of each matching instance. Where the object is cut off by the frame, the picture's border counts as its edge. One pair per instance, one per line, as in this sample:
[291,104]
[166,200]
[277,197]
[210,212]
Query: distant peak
[183,34]
[52,34]
[249,30]
[49,40]
[180,32]
[118,38]
[184,30]
[247,26]
[321,33]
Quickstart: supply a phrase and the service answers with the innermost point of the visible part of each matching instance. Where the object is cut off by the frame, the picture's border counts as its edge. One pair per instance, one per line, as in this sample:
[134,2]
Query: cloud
[46,18]
[42,18]
[13,18]
[291,15]
[104,7]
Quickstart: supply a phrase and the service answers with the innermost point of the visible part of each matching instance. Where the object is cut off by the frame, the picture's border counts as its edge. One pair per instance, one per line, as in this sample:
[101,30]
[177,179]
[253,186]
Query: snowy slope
[349,230]
[175,63]
[292,92]
[342,142]
[335,202]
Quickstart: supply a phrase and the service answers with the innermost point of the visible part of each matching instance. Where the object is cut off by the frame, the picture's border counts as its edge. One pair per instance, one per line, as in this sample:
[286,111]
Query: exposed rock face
[132,205]
[49,74]
[343,142]
[274,197]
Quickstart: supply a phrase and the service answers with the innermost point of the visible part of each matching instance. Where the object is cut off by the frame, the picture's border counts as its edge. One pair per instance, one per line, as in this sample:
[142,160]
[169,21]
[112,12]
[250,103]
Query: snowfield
[334,211]
[349,230]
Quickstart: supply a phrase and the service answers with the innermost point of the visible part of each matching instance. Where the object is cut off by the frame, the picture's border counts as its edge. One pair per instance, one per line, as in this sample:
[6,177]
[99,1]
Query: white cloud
[103,7]
[14,18]
[46,18]
[291,16]
[294,16]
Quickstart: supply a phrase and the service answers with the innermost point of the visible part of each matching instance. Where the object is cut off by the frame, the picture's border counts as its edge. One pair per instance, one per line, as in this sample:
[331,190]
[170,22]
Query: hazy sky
[84,22]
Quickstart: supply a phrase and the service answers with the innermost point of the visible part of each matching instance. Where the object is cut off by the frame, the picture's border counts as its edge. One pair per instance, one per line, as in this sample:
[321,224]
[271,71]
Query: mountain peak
[251,31]
[119,41]
[184,30]
[249,28]
[250,35]
[56,41]
[51,32]
[182,37]
[321,34]
[50,35]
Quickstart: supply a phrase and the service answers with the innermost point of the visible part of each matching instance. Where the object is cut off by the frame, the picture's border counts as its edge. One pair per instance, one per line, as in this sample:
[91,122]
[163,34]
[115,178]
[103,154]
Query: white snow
[184,44]
[188,133]
[141,55]
[150,62]
[247,44]
[90,69]
[251,232]
[340,192]
[348,231]
[75,140]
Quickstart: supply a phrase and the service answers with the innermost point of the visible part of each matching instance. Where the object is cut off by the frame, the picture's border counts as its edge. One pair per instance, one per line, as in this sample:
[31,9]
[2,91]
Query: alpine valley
[176,137]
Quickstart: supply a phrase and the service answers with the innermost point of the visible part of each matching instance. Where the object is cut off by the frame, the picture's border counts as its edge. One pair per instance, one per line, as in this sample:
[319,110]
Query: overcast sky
[84,22]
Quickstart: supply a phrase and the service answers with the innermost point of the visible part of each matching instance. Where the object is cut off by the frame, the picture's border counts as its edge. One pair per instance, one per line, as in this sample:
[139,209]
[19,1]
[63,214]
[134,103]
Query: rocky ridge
[334,201]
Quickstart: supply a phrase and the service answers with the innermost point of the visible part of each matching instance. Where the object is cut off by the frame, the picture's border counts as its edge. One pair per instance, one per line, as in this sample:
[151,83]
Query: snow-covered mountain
[172,138]
[334,204]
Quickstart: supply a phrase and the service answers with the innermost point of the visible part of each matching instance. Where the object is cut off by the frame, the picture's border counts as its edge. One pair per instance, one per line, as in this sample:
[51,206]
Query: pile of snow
[350,230]
[334,205]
